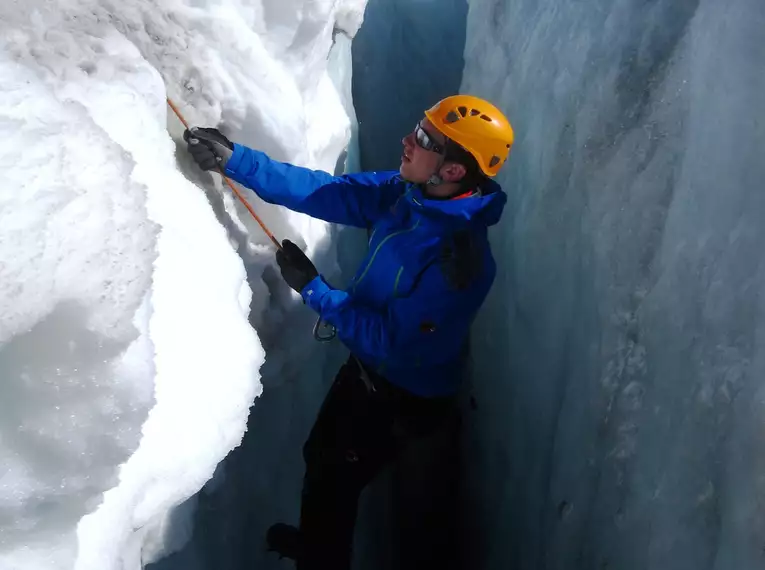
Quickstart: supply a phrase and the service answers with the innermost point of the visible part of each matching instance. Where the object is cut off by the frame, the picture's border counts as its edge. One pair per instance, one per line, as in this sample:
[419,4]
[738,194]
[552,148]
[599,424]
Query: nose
[408,141]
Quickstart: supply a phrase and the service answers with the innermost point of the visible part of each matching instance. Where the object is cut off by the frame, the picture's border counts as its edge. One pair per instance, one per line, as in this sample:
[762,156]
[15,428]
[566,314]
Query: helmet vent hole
[463,111]
[485,118]
[475,112]
[508,146]
[494,161]
[451,117]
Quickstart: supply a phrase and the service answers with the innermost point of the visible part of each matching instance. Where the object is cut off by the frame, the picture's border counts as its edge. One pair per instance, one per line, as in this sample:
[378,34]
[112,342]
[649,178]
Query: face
[418,164]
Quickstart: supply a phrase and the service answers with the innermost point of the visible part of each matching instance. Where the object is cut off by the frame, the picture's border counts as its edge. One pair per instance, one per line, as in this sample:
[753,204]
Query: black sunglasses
[425,141]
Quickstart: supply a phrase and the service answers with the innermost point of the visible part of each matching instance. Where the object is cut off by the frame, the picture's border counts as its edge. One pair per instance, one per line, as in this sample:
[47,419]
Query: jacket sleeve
[353,199]
[419,327]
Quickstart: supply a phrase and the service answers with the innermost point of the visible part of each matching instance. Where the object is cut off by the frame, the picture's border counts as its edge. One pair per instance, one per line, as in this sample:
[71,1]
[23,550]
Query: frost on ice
[127,360]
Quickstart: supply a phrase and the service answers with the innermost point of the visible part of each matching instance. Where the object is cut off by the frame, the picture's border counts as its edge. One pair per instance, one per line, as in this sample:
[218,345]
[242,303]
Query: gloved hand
[209,148]
[297,270]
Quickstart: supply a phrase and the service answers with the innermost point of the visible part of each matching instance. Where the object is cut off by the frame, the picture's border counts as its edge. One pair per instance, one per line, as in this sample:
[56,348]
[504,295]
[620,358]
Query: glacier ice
[617,366]
[128,359]
[406,56]
[616,407]
[617,417]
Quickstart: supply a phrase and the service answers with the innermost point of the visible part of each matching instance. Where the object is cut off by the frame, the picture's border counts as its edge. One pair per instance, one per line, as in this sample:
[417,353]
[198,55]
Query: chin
[406,174]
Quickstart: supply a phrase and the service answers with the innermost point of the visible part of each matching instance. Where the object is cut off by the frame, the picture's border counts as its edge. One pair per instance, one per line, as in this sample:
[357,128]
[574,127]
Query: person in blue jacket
[405,315]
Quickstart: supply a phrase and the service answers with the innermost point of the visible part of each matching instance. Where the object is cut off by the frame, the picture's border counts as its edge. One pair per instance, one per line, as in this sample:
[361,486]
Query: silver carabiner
[322,324]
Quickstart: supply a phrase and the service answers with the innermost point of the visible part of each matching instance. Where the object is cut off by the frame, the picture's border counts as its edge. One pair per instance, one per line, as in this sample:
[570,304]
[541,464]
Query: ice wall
[406,56]
[259,483]
[618,364]
[127,358]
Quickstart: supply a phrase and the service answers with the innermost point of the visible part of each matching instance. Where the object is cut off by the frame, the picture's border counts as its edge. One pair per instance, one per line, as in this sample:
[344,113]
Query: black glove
[209,148]
[297,270]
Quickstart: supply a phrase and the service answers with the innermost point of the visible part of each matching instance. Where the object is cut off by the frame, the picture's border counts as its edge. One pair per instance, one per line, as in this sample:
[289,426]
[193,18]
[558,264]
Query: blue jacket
[407,312]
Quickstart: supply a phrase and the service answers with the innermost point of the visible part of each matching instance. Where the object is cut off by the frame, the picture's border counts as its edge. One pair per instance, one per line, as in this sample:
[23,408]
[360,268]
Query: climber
[405,315]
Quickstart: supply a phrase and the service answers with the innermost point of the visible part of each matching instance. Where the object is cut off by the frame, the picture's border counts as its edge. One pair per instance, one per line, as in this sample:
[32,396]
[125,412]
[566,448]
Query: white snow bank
[123,305]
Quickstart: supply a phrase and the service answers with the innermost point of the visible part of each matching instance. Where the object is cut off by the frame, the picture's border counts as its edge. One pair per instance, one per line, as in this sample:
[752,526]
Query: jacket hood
[485,208]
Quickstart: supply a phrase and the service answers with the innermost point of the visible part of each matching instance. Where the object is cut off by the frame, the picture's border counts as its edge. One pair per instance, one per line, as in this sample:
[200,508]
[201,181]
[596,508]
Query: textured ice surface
[618,363]
[259,483]
[124,307]
[406,56]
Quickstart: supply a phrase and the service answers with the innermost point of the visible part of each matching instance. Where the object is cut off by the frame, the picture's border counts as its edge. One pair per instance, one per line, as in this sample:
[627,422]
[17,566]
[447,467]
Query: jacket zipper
[377,249]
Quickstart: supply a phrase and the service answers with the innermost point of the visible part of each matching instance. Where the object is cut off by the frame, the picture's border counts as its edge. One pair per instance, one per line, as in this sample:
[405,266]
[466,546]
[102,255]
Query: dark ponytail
[473,174]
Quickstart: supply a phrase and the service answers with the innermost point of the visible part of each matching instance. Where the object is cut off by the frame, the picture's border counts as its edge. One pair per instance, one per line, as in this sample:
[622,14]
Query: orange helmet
[477,126]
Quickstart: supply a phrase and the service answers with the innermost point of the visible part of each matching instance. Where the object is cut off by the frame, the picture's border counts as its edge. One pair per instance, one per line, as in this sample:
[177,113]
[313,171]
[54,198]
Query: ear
[452,172]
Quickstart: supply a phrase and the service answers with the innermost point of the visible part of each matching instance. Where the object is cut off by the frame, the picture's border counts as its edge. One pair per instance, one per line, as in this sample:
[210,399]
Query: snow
[259,482]
[128,286]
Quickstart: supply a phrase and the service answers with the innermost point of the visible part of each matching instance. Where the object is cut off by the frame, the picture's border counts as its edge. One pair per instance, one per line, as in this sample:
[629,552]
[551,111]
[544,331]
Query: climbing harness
[320,324]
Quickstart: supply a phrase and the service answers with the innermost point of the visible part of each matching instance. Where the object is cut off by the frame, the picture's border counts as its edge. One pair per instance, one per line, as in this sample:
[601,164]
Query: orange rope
[231,184]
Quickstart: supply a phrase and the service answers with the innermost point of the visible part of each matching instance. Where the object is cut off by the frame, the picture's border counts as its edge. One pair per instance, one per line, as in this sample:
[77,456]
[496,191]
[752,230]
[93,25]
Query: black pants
[359,430]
